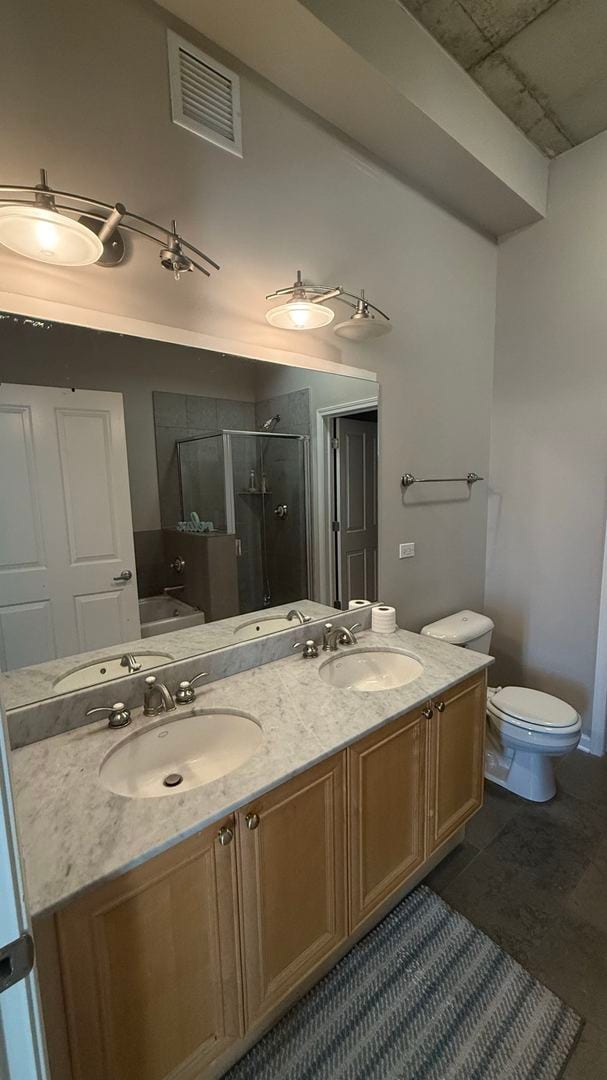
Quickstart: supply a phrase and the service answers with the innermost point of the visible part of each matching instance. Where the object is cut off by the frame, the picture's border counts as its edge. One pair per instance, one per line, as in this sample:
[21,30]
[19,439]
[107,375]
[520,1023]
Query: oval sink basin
[269,624]
[104,670]
[370,669]
[180,754]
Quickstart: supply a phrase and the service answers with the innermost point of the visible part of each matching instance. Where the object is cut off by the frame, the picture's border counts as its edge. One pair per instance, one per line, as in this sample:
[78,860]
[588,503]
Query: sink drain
[173,779]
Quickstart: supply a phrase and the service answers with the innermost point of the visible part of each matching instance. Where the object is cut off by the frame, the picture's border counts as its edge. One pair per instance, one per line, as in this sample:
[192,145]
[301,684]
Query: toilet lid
[534,707]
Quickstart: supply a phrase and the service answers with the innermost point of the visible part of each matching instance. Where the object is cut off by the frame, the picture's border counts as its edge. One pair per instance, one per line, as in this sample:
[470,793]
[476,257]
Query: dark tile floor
[534,877]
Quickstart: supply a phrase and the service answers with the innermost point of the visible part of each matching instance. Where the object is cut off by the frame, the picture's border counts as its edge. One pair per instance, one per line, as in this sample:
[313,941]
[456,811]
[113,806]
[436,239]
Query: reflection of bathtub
[163,614]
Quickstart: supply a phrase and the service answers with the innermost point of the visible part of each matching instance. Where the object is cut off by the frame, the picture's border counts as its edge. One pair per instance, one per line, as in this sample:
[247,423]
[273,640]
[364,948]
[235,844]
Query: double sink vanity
[193,873]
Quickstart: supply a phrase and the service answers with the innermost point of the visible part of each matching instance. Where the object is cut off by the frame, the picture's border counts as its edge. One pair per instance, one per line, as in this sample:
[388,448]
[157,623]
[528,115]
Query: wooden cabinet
[292,886]
[456,759]
[387,772]
[150,966]
[161,973]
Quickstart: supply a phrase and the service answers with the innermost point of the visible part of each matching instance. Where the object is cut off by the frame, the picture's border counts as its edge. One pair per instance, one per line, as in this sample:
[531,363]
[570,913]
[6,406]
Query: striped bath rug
[424,996]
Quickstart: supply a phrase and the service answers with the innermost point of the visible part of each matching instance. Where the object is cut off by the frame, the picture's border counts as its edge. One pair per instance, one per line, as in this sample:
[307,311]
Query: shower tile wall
[183,416]
[293,409]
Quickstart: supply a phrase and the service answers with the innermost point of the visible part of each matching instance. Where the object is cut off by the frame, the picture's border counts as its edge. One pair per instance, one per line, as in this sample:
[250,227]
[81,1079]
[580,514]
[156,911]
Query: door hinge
[335,443]
[16,961]
[335,526]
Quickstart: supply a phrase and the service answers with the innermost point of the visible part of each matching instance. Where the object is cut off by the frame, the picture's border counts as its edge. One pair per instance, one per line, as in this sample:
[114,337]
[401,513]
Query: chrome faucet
[294,613]
[157,697]
[338,635]
[129,661]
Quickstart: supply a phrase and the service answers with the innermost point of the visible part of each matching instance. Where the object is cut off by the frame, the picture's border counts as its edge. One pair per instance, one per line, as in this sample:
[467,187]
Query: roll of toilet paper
[383,619]
[357,603]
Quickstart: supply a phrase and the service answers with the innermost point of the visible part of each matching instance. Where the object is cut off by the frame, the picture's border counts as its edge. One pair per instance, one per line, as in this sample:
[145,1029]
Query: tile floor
[534,877]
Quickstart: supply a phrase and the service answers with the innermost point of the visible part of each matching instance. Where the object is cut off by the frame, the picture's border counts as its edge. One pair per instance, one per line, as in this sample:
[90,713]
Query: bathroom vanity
[171,932]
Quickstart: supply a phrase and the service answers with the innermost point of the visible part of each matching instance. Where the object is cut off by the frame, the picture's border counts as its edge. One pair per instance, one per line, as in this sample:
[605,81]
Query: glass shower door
[270,479]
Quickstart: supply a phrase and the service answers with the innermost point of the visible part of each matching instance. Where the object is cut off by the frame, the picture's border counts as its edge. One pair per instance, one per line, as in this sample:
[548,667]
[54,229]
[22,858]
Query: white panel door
[67,533]
[356,499]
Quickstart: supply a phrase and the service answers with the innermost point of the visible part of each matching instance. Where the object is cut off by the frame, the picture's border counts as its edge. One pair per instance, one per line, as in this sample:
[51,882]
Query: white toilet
[526,729]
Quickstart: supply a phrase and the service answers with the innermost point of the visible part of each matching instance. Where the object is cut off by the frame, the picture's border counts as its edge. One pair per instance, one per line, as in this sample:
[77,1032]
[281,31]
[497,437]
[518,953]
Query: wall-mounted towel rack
[409,479]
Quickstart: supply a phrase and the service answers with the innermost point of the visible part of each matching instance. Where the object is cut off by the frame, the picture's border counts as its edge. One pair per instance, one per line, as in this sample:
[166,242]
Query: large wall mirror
[159,501]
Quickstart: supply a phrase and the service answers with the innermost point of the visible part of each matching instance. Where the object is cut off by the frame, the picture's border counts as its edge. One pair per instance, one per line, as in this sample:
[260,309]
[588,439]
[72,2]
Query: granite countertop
[26,685]
[75,833]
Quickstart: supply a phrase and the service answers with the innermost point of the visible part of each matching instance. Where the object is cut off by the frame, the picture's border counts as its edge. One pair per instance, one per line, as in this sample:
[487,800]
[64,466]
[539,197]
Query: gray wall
[549,446]
[300,197]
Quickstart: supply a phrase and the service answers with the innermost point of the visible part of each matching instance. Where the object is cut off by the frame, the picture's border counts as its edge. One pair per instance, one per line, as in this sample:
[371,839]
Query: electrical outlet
[406,551]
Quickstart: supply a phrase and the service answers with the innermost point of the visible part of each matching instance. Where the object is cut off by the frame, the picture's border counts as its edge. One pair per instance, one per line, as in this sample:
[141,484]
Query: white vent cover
[205,95]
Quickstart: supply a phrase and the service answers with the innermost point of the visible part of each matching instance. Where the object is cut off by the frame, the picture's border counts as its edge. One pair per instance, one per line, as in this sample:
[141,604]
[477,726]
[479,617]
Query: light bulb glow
[300,315]
[47,236]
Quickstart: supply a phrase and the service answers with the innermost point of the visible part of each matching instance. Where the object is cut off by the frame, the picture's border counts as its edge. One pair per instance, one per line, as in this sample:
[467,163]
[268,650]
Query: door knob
[251,821]
[428,712]
[225,836]
[125,575]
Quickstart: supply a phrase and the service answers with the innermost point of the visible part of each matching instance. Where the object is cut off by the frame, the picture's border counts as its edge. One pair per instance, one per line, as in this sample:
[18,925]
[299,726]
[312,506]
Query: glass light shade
[300,315]
[362,328]
[47,236]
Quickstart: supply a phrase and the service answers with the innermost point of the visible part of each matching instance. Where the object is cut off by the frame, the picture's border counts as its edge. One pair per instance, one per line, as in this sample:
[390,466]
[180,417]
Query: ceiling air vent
[205,95]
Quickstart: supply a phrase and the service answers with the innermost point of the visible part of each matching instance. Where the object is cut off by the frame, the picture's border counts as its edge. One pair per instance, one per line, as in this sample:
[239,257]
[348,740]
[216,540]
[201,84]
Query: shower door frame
[228,472]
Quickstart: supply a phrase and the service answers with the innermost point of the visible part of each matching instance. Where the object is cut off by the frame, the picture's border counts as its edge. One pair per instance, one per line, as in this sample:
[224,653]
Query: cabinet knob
[440,706]
[251,821]
[225,836]
[428,712]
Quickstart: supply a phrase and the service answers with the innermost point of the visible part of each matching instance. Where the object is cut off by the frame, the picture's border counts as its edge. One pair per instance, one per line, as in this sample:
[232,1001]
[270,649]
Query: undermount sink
[267,624]
[180,753]
[371,669]
[104,670]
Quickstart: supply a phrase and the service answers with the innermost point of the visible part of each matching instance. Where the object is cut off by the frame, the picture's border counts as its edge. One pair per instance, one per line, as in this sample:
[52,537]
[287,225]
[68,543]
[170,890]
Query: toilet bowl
[526,729]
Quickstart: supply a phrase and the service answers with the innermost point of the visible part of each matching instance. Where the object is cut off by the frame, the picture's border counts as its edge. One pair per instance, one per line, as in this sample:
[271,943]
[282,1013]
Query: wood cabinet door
[457,758]
[387,810]
[293,897]
[150,966]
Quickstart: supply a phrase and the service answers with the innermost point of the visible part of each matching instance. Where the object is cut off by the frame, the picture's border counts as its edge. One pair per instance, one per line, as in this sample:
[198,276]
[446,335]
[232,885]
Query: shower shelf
[256,492]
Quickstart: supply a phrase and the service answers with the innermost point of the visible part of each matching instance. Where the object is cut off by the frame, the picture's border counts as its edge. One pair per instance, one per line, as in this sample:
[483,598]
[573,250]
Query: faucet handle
[310,648]
[118,714]
[185,691]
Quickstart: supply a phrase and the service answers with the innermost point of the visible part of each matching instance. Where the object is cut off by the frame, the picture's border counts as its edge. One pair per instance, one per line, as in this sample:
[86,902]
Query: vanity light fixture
[64,229]
[306,309]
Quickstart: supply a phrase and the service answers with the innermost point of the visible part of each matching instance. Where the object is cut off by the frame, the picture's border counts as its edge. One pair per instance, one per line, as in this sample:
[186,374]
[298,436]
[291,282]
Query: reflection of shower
[215,482]
[270,425]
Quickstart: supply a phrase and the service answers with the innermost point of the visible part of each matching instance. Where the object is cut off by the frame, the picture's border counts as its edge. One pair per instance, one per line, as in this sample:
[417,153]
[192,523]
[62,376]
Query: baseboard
[585,744]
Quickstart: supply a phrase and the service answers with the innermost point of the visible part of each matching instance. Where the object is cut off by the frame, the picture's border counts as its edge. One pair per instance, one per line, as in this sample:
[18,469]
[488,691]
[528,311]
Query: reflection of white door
[65,530]
[22,1053]
[356,499]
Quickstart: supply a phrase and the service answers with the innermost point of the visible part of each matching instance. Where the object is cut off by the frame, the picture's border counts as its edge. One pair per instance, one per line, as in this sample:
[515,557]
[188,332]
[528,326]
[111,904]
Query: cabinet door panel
[387,807]
[457,746]
[149,964]
[292,883]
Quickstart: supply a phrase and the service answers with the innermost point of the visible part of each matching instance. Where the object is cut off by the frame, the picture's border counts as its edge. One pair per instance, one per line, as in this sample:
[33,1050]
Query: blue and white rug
[424,996]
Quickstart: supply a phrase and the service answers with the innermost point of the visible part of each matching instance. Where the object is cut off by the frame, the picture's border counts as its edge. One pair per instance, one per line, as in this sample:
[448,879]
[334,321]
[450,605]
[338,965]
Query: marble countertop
[75,833]
[26,685]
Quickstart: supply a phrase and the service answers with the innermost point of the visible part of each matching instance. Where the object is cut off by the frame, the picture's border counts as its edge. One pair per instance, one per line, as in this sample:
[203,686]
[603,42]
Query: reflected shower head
[270,424]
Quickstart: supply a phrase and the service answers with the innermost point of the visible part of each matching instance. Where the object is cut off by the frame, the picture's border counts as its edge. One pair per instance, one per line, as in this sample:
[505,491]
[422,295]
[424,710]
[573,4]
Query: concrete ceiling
[541,61]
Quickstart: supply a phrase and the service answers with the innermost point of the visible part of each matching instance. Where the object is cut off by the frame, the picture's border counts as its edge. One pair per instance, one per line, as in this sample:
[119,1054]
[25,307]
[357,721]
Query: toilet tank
[467,628]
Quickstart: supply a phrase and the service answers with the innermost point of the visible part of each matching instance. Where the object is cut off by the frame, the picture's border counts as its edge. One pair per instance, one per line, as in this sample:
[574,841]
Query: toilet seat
[533,710]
